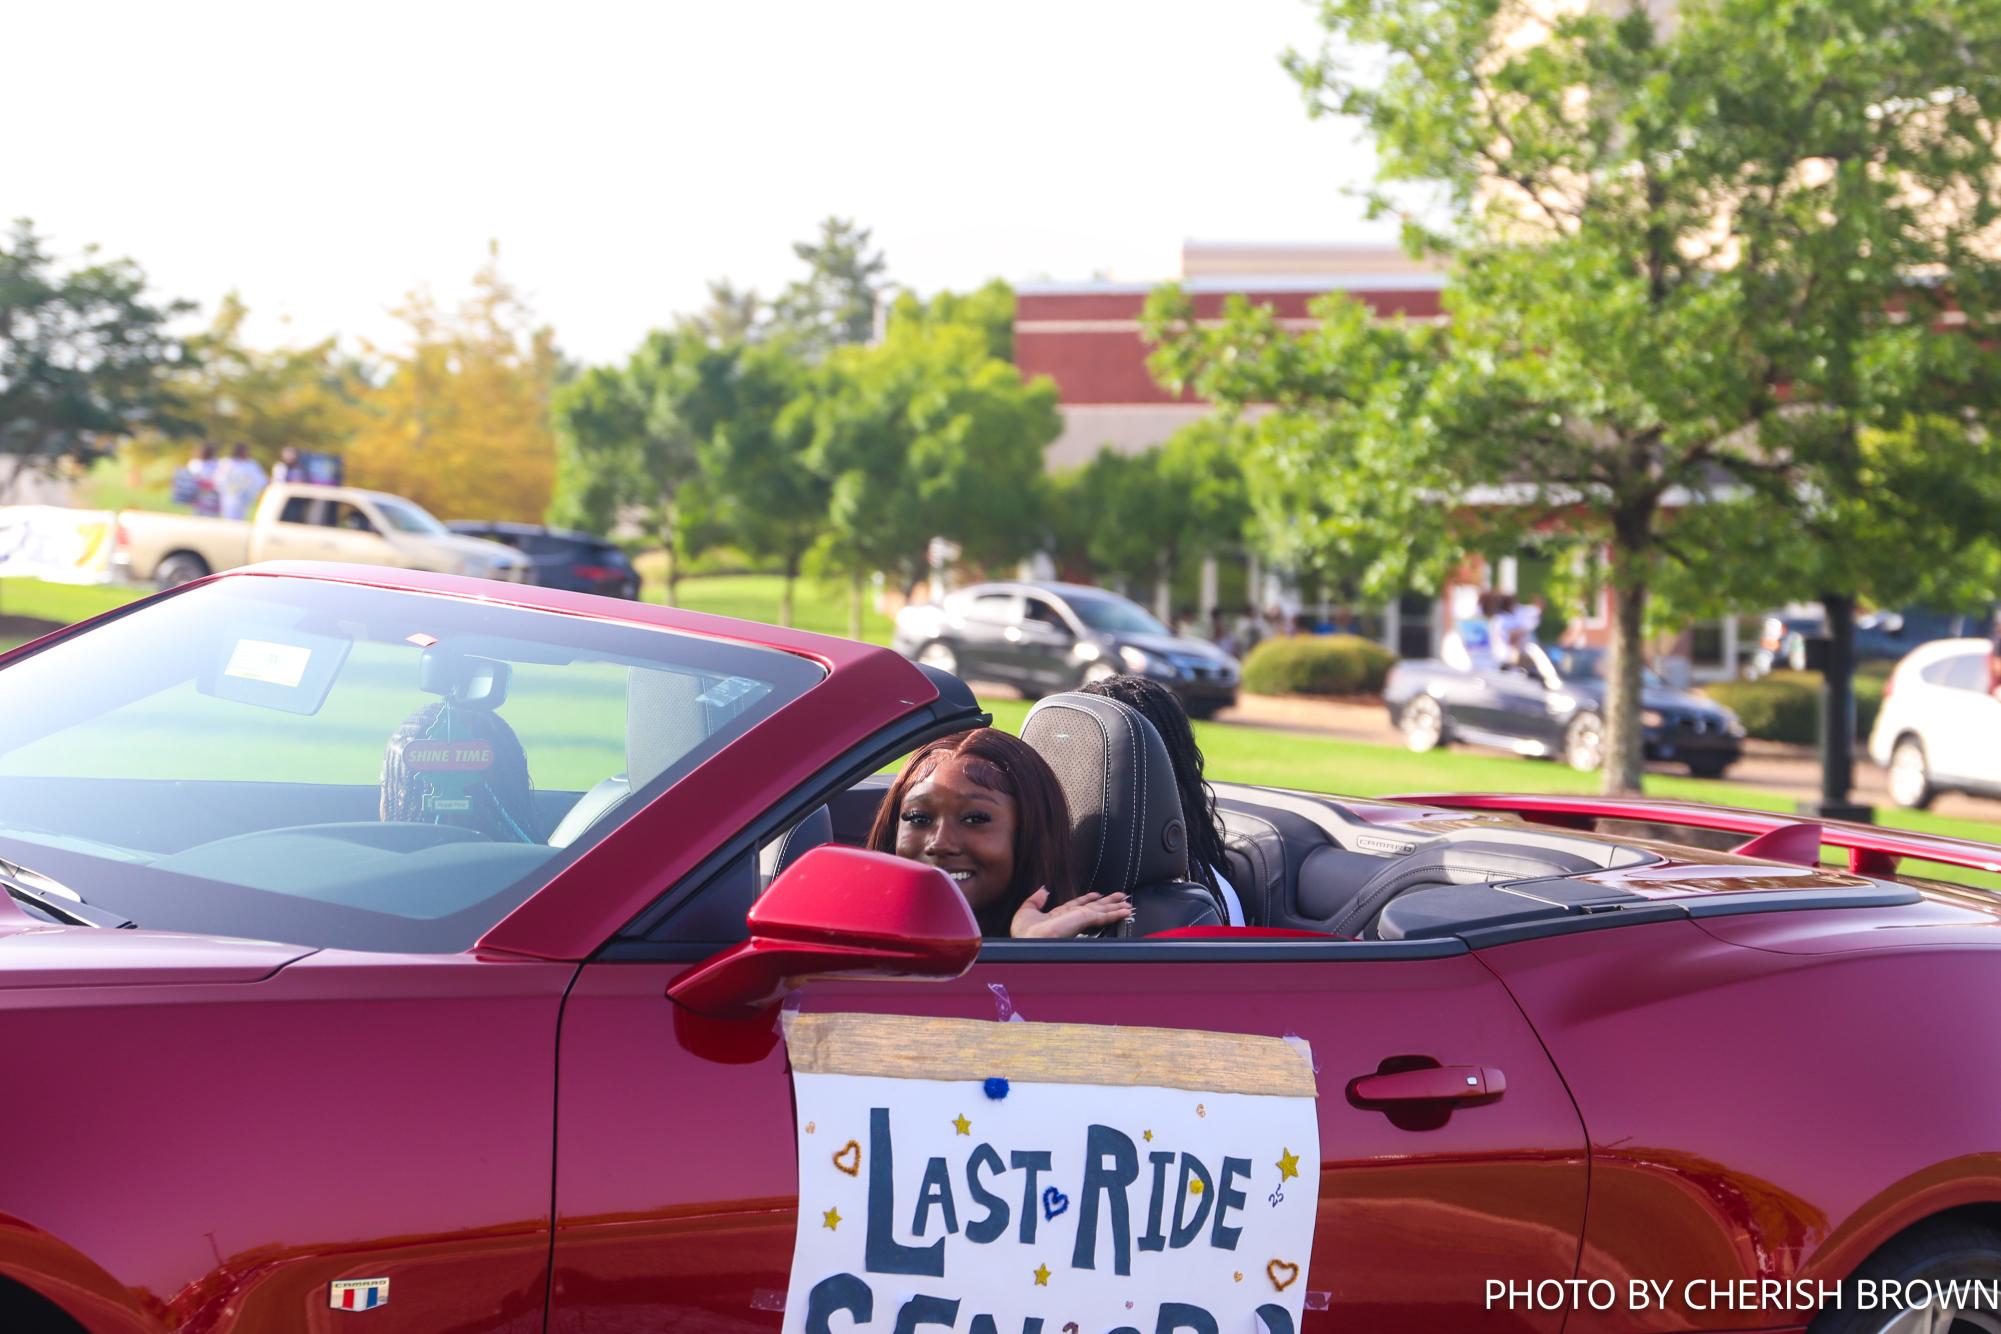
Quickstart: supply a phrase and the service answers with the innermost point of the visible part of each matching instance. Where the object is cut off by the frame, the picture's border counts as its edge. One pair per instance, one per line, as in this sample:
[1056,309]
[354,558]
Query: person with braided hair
[459,765]
[1162,707]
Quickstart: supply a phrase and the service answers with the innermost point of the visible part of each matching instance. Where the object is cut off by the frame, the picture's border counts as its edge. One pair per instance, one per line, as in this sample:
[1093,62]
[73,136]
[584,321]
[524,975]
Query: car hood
[38,954]
[475,548]
[1176,645]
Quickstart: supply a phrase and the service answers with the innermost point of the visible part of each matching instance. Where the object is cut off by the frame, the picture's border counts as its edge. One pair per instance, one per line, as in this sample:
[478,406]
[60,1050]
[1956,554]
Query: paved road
[1792,771]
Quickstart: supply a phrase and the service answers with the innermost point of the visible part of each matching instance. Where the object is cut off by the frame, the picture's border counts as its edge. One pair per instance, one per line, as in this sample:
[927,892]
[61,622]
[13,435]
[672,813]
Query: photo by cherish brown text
[1746,1294]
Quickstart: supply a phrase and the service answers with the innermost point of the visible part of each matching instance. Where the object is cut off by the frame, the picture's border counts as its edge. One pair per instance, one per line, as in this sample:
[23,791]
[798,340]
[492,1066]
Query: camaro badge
[358,1294]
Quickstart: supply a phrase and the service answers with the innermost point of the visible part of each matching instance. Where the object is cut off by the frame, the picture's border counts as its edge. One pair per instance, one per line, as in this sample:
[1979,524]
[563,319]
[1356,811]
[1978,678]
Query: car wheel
[1708,768]
[1204,711]
[1942,1251]
[1584,743]
[1099,671]
[939,654]
[183,567]
[1910,782]
[1423,724]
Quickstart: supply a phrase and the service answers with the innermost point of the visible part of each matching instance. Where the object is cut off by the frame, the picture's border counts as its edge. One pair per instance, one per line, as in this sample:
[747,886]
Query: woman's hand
[1086,912]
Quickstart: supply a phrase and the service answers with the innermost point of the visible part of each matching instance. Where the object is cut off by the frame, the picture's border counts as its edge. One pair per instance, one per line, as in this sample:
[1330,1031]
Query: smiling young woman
[986,810]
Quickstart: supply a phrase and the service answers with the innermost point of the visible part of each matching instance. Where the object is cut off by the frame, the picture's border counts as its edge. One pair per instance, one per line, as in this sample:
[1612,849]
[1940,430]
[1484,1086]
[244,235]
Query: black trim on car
[1139,950]
[1598,918]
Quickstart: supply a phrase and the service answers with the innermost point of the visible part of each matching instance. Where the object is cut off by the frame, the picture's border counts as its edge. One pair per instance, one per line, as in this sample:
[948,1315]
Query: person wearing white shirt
[240,480]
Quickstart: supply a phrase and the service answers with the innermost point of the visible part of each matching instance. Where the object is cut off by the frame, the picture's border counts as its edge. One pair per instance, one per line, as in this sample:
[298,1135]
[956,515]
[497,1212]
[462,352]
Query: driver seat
[1126,830]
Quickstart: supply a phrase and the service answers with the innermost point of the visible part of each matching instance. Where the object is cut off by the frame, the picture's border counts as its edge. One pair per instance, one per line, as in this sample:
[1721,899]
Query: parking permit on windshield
[273,664]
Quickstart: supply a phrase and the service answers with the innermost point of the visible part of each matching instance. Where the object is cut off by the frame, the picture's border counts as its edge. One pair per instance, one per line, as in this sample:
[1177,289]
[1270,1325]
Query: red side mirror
[838,912]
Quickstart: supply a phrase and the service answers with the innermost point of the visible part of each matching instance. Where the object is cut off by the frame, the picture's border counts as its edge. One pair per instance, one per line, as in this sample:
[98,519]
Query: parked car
[1939,729]
[303,522]
[1880,636]
[1552,706]
[561,557]
[1041,638]
[460,1072]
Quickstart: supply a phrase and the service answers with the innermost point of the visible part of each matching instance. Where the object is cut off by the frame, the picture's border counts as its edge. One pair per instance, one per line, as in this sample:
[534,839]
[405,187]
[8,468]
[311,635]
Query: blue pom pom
[996,1088]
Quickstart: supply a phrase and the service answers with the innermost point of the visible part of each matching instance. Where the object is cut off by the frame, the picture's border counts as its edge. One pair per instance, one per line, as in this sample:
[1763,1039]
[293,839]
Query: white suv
[1940,727]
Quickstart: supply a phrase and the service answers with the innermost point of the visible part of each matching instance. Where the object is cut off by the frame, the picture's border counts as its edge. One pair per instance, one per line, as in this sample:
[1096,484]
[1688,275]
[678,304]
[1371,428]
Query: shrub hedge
[1317,665]
[1785,706]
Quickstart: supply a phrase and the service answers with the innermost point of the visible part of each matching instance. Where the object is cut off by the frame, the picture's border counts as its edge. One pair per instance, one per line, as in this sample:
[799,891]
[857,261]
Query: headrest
[1125,811]
[664,720]
[815,828]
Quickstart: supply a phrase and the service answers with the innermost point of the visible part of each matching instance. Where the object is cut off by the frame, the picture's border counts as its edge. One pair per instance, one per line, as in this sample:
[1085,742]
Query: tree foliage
[1136,517]
[834,304]
[86,356]
[461,423]
[1713,282]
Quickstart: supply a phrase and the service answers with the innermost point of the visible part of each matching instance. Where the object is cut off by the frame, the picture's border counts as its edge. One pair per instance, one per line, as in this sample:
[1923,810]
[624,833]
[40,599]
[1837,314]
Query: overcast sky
[324,158]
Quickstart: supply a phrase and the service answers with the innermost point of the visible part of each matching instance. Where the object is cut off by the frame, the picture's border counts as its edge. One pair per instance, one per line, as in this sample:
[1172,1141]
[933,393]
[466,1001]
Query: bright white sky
[324,159]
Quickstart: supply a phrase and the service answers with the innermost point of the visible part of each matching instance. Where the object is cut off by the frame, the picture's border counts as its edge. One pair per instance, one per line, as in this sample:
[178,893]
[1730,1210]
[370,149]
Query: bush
[1317,665]
[1785,706]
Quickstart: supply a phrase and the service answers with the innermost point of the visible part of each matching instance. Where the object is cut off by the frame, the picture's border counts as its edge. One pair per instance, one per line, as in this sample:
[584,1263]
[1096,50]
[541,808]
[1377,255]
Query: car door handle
[1438,1083]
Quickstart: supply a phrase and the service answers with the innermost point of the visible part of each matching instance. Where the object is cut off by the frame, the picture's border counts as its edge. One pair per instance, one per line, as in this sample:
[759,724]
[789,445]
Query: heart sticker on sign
[1054,1202]
[1282,1274]
[849,1158]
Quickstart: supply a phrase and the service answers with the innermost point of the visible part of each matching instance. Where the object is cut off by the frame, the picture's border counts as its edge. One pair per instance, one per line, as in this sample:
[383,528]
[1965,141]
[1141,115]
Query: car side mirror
[837,912]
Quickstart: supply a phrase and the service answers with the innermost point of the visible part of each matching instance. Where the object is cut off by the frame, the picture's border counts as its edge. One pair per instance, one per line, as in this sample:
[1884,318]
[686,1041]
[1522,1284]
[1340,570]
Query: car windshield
[409,518]
[1114,615]
[328,765]
[1582,664]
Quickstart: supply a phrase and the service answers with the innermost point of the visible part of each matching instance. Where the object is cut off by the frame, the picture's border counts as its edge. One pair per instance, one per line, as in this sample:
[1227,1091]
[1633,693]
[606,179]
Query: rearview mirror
[837,912]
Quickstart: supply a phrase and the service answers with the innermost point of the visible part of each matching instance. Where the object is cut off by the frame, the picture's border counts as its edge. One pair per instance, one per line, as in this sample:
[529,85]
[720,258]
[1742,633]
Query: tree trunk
[855,605]
[1624,760]
[785,594]
[673,574]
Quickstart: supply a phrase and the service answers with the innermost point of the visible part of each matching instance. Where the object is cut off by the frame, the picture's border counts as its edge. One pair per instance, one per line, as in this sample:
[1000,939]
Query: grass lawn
[754,597]
[61,603]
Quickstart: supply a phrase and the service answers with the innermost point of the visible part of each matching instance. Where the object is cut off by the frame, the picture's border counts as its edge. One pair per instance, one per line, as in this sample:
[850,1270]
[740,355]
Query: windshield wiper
[55,899]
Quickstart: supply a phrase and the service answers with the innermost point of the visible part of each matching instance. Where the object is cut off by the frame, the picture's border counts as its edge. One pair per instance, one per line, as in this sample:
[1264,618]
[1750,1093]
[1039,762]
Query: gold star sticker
[1288,1165]
[1195,1186]
[1149,1137]
[1042,1276]
[832,1218]
[965,1126]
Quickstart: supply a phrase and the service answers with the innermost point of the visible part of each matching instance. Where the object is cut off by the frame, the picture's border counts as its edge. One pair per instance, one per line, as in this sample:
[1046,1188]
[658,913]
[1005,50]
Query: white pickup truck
[304,522]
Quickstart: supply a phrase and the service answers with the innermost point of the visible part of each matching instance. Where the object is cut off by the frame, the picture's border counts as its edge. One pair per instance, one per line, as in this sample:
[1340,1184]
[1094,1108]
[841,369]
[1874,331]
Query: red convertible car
[403,952]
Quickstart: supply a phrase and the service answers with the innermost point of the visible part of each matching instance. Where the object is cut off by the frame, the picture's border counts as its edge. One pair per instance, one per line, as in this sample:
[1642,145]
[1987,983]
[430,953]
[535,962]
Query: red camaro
[389,951]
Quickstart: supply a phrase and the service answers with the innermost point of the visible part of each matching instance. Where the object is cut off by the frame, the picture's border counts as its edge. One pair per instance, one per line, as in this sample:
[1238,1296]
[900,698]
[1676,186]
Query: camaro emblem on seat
[358,1294]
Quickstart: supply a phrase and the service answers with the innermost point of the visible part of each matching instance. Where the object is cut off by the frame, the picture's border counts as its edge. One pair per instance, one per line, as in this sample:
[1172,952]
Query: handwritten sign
[1042,1178]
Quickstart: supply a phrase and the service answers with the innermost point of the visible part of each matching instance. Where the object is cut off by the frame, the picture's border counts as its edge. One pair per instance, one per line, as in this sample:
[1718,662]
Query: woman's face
[963,829]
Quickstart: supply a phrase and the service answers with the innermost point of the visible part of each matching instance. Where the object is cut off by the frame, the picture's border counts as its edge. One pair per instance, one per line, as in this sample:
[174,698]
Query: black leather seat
[814,828]
[1471,862]
[1127,833]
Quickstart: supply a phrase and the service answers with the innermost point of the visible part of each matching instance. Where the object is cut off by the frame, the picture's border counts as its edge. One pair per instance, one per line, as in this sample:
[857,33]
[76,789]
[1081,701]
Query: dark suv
[560,558]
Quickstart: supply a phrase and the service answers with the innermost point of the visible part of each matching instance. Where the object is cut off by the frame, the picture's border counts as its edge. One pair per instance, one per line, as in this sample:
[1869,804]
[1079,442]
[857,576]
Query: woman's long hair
[499,796]
[1002,763]
[1161,707]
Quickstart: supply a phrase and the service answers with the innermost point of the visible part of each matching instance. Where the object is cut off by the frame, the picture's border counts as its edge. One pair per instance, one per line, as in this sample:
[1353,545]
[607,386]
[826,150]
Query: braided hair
[1161,707]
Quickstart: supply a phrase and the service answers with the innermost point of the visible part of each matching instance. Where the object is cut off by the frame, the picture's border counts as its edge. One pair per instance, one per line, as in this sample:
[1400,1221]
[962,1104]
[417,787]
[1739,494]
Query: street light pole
[1837,716]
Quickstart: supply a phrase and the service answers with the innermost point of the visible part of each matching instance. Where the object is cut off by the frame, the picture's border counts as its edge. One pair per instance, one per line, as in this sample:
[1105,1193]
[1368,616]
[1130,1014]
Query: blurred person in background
[239,480]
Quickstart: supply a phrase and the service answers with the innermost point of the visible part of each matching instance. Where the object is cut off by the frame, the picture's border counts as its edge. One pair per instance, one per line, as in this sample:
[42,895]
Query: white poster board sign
[1049,1178]
[63,546]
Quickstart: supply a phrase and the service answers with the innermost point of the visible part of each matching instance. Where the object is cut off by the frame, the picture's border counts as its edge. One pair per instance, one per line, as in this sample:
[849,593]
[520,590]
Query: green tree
[629,438]
[834,304]
[732,315]
[1691,263]
[86,357]
[926,434]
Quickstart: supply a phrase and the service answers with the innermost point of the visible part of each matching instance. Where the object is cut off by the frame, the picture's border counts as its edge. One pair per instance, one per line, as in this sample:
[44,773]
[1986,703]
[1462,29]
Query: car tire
[1708,768]
[1909,776]
[183,567]
[1423,724]
[1942,1249]
[1204,711]
[939,654]
[1584,743]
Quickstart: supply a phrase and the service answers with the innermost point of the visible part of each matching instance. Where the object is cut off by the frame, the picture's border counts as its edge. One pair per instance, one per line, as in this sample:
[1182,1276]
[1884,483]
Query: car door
[1960,725]
[677,1182]
[985,651]
[1043,645]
